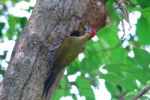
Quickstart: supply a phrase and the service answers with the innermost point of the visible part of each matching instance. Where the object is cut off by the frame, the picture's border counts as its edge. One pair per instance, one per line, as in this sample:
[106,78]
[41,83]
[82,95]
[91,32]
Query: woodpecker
[68,51]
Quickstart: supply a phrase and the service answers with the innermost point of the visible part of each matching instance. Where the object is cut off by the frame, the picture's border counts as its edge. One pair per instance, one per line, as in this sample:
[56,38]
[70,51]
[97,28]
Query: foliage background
[124,63]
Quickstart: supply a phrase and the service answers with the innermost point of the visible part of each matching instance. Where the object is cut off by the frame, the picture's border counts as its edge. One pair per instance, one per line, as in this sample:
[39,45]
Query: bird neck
[86,36]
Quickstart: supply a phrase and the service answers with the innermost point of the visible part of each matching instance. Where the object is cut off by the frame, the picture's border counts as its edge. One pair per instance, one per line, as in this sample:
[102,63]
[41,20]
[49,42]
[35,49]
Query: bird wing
[68,51]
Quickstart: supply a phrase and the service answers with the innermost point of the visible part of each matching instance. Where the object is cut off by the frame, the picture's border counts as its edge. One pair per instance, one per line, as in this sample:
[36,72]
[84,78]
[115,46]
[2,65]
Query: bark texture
[50,23]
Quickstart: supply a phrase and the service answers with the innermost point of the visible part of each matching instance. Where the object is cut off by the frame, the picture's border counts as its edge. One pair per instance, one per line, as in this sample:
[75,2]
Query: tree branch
[141,93]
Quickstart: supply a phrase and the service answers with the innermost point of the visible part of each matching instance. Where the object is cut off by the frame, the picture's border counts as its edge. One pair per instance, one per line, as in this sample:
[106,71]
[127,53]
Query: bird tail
[50,80]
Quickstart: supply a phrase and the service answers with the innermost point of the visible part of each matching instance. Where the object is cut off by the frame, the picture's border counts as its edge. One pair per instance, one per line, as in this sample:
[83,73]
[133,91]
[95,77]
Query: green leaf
[112,77]
[91,61]
[134,1]
[130,71]
[143,31]
[130,95]
[118,55]
[1,27]
[122,79]
[109,35]
[112,12]
[73,67]
[109,4]
[146,13]
[64,82]
[58,94]
[116,79]
[121,68]
[23,22]
[15,25]
[144,3]
[84,87]
[63,89]
[142,58]
[12,24]
[3,2]
[112,89]
[2,72]
[74,96]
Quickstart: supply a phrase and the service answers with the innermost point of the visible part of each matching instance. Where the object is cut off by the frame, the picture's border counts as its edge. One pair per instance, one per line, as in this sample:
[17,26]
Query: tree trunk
[50,23]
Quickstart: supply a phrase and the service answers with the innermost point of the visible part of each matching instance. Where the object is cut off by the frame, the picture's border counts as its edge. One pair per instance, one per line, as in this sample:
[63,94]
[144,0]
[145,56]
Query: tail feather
[49,82]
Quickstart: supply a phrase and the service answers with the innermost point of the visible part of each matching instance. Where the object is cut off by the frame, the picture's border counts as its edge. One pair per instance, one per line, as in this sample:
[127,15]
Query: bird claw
[55,48]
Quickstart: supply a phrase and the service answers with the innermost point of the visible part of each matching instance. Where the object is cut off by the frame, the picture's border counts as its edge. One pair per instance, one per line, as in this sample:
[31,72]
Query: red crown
[93,32]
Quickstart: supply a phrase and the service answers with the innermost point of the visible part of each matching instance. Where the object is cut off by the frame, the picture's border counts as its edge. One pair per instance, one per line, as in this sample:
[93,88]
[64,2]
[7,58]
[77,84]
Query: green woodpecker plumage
[68,51]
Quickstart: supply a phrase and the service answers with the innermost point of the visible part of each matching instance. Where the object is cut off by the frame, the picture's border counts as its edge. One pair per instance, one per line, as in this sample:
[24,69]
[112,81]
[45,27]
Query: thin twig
[141,93]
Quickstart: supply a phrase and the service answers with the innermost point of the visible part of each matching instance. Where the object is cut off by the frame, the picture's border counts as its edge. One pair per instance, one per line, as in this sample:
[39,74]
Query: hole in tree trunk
[76,33]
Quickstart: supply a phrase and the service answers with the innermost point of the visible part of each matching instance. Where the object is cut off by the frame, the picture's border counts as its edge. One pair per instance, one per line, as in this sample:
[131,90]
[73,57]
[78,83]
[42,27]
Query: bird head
[91,31]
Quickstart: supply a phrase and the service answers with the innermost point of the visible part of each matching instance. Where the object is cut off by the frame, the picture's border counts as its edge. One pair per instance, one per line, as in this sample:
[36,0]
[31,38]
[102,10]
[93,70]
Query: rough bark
[50,23]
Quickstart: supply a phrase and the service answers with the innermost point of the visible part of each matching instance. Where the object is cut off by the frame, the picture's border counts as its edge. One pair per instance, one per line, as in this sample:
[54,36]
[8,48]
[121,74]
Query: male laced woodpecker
[68,51]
